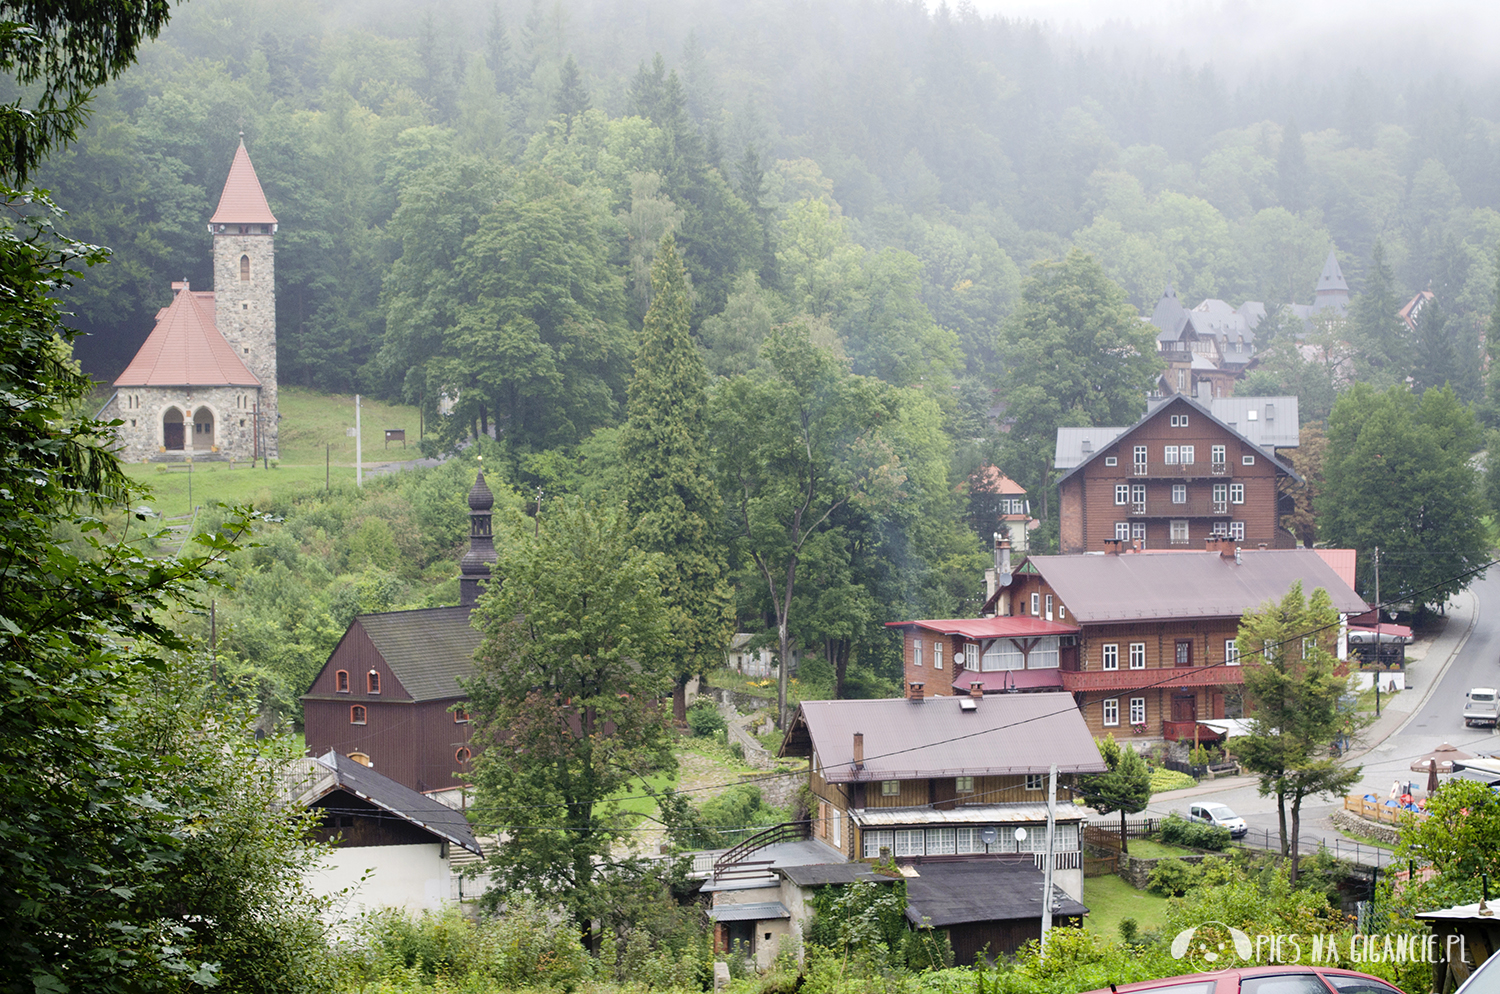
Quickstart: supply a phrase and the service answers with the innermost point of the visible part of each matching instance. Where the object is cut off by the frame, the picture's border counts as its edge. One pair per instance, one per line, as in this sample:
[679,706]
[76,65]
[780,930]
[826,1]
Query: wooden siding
[351,822]
[1208,702]
[1087,499]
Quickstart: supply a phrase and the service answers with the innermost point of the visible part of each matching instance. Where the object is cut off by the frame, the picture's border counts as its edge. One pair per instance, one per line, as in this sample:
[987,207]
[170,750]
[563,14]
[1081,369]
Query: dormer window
[373,681]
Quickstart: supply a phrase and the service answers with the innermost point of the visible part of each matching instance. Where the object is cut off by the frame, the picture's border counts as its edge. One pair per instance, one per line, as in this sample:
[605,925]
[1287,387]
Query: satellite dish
[1020,835]
[1005,578]
[988,836]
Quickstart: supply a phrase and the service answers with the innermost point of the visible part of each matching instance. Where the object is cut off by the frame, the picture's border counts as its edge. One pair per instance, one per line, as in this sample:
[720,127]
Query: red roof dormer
[243,201]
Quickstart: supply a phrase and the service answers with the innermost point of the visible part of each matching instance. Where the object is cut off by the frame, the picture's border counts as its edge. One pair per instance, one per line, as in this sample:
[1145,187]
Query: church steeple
[474,568]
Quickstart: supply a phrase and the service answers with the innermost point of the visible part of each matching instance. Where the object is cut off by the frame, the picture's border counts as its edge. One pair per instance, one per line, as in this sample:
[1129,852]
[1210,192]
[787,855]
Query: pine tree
[1291,169]
[497,52]
[1125,787]
[1378,330]
[1435,361]
[572,95]
[671,496]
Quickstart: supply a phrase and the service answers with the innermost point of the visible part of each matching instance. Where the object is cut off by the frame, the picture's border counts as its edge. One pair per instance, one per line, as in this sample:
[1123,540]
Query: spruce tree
[497,52]
[572,95]
[1291,169]
[672,498]
[1378,330]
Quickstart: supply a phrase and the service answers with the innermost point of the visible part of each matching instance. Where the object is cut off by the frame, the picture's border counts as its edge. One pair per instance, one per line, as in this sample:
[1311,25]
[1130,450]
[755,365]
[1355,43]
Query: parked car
[1213,813]
[1484,980]
[1267,980]
[1481,707]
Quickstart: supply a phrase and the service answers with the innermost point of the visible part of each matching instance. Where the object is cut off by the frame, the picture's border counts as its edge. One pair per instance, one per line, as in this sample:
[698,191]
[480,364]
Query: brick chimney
[1114,546]
[914,691]
[976,689]
[1222,544]
[859,750]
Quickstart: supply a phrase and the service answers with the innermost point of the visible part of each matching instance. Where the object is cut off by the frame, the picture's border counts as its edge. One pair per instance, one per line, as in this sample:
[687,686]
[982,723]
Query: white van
[1481,707]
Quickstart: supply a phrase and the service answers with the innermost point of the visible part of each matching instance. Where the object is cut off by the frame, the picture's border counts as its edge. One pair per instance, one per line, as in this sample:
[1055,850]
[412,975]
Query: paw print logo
[1217,942]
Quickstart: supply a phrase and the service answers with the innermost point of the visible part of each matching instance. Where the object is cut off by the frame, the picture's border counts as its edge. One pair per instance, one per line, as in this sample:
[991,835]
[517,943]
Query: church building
[203,386]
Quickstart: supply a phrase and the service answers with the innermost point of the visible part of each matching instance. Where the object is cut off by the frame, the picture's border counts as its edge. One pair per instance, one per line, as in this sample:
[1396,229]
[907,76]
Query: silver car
[1213,813]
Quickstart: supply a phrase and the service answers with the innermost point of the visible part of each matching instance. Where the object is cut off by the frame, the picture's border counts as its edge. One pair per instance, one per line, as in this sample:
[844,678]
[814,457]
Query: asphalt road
[1441,720]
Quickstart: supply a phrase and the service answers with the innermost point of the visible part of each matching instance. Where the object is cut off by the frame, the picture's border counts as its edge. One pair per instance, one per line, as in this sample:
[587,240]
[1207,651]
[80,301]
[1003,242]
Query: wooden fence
[1376,810]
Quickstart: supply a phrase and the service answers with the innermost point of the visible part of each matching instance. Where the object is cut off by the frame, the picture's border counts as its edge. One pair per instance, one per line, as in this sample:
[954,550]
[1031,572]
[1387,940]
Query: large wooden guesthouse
[1144,641]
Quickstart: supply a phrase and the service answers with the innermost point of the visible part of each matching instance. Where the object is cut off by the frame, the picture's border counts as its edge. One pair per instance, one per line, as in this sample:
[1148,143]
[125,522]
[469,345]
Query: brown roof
[243,201]
[430,649]
[1143,586]
[186,349]
[1004,735]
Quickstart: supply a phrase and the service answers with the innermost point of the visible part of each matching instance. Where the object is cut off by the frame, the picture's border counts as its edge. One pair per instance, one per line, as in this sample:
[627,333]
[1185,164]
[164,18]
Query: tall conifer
[672,498]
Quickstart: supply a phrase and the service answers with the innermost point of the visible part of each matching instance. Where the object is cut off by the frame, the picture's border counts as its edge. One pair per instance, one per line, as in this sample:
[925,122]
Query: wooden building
[1178,476]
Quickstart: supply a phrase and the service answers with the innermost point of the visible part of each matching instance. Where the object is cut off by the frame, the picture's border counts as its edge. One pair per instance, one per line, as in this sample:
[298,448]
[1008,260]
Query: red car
[1261,980]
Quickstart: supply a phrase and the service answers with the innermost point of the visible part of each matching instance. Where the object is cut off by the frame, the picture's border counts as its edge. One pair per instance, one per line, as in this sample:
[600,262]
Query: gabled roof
[429,650]
[988,628]
[1144,586]
[333,772]
[1004,735]
[1170,317]
[1266,421]
[243,201]
[186,349]
[1152,410]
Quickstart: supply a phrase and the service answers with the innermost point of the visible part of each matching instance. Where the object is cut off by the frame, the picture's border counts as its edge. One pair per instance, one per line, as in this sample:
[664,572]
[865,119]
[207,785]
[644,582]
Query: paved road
[1406,731]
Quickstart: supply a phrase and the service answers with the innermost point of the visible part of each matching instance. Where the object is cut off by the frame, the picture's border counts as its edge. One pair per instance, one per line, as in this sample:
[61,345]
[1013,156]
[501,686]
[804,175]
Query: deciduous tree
[1125,787]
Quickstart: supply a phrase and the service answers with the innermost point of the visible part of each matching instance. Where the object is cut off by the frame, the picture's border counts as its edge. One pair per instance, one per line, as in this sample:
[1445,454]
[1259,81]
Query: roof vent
[1088,446]
[968,704]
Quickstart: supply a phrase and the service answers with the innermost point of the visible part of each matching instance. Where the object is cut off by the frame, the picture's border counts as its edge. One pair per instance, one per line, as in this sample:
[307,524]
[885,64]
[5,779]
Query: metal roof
[1071,448]
[1006,735]
[988,628]
[982,890]
[758,911]
[429,650]
[1332,277]
[186,349]
[1275,422]
[1142,586]
[243,201]
[334,773]
[964,814]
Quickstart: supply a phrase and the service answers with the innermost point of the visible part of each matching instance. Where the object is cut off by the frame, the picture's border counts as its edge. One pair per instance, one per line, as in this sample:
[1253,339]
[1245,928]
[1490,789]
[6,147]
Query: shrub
[1172,878]
[1164,779]
[704,718]
[1178,831]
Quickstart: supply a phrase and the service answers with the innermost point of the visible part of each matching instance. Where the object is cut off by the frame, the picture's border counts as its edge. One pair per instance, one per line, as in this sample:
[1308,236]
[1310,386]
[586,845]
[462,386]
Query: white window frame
[1002,655]
[1137,655]
[1138,532]
[910,842]
[942,842]
[1188,453]
[1111,460]
[971,655]
[1217,455]
[1111,657]
[963,785]
[1111,710]
[1237,530]
[1179,493]
[1180,533]
[1036,781]
[1221,493]
[1141,459]
[1247,460]
[1122,530]
[1169,455]
[1236,493]
[1122,493]
[916,652]
[1137,710]
[1231,652]
[937,654]
[876,839]
[1036,604]
[1048,612]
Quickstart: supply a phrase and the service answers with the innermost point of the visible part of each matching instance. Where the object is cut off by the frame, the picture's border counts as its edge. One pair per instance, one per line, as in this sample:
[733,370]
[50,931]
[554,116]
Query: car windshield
[1219,810]
[1482,697]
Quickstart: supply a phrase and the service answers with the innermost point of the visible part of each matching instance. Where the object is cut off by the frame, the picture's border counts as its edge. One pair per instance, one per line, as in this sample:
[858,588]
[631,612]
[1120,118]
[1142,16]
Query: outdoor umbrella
[1439,760]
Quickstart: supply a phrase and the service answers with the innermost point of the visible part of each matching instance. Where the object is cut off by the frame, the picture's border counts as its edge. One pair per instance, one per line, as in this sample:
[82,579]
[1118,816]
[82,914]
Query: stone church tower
[244,231]
[203,386]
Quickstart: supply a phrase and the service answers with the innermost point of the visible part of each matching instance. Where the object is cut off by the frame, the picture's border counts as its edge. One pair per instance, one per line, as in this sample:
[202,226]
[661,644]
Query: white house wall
[414,878]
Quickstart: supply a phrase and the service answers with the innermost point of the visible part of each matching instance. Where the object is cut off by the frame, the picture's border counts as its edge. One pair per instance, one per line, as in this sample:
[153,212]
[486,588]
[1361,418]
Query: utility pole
[359,451]
[1047,870]
[1379,665]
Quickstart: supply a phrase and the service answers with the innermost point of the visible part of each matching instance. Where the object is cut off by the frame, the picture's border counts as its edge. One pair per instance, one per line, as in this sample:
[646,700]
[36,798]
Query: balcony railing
[1137,507]
[1181,471]
[1218,469]
[1163,507]
[1221,507]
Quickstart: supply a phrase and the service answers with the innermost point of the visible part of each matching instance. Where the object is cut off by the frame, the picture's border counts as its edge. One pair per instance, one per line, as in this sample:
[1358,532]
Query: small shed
[986,906]
[1467,935]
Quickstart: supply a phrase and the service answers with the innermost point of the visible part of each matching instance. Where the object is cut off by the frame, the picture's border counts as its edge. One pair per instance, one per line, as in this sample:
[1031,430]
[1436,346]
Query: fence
[1101,866]
[1106,834]
[1360,853]
[1374,809]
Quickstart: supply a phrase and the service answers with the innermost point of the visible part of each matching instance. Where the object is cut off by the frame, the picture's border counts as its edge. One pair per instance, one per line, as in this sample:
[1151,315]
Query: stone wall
[1348,821]
[143,409]
[245,313]
[1136,871]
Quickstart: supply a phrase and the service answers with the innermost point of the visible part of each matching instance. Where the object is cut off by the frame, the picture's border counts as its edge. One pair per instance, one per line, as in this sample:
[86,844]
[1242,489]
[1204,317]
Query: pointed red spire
[243,201]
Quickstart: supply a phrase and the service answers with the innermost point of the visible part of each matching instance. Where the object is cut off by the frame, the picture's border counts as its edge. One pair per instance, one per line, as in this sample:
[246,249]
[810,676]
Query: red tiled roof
[996,681]
[1013,626]
[243,201]
[186,349]
[1167,676]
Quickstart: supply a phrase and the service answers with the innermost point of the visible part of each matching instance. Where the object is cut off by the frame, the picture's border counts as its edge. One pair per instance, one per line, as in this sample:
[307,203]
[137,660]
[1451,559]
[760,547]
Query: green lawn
[309,422]
[1147,849]
[1111,900]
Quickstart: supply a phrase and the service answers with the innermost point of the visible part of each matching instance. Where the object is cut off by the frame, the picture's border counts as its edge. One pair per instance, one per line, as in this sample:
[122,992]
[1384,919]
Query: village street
[1466,654]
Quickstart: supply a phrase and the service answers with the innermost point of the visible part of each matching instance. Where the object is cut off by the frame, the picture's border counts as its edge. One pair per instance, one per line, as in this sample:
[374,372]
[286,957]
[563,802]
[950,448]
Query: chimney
[976,689]
[1223,545]
[1238,559]
[859,750]
[1113,546]
[998,539]
[914,692]
[1262,547]
[1004,551]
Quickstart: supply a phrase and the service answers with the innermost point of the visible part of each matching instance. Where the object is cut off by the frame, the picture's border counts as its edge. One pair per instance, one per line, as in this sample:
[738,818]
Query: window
[1112,656]
[1236,493]
[363,760]
[1184,652]
[1137,710]
[1043,655]
[1111,712]
[878,840]
[1003,655]
[462,755]
[373,679]
[1137,655]
[341,681]
[1049,607]
[969,841]
[964,785]
[1216,455]
[1036,605]
[1179,493]
[1036,781]
[890,788]
[460,716]
[1219,529]
[937,655]
[1179,532]
[1231,652]
[1252,415]
[1122,493]
[1169,455]
[1138,533]
[971,655]
[909,842]
[1179,421]
[1140,459]
[244,268]
[1111,461]
[1247,460]
[941,842]
[1221,494]
[916,652]
[1187,455]
[1122,530]
[1138,497]
[1181,376]
[357,715]
[1237,530]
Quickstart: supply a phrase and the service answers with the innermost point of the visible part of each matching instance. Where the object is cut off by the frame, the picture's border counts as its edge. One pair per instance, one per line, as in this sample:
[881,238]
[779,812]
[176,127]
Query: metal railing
[1361,853]
[736,858]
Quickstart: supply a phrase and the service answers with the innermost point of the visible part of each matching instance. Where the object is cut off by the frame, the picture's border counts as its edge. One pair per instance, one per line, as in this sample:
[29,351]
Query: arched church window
[244,267]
